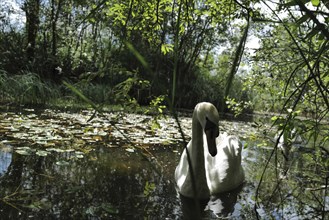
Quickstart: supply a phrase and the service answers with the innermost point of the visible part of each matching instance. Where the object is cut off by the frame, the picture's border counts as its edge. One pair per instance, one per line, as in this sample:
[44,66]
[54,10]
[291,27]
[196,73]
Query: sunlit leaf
[165,48]
[315,3]
[79,154]
[23,152]
[55,150]
[62,163]
[149,188]
[130,150]
[42,153]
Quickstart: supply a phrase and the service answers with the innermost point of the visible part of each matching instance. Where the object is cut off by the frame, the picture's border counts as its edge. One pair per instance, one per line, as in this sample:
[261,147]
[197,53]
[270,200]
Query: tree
[32,10]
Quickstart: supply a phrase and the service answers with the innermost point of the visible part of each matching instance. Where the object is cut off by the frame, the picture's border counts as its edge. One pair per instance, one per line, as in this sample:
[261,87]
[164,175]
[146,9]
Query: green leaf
[315,3]
[165,48]
[109,208]
[149,188]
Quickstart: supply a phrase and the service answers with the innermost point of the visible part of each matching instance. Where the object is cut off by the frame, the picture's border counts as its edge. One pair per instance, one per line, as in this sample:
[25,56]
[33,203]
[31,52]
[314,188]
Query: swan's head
[208,117]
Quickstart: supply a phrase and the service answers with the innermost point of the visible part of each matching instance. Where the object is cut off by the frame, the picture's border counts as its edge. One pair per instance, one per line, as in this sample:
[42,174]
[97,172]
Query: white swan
[216,159]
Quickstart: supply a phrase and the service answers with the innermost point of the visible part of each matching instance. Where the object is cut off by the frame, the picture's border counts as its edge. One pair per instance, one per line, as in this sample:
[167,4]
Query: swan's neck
[197,143]
[197,155]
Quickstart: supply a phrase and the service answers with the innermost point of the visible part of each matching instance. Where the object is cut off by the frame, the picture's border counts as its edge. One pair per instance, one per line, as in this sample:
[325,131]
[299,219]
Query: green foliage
[122,91]
[237,106]
[26,88]
[149,188]
[97,41]
[166,48]
[156,108]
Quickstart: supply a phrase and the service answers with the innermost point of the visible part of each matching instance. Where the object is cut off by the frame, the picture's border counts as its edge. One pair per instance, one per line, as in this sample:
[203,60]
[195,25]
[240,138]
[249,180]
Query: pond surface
[58,165]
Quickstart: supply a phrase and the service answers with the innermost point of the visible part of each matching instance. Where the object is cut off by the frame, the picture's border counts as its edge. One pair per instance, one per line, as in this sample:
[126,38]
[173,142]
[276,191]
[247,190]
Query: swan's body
[216,159]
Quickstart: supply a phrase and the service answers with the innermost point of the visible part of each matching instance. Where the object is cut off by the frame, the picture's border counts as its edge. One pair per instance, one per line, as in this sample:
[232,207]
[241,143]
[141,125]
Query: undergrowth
[28,88]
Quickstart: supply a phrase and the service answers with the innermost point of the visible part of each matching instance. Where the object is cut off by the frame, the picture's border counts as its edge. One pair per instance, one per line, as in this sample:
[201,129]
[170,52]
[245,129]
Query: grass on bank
[29,90]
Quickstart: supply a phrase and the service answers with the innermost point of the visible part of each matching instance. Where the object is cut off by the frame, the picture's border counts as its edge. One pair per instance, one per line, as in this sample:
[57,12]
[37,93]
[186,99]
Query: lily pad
[79,154]
[57,150]
[42,153]
[62,163]
[23,152]
[130,150]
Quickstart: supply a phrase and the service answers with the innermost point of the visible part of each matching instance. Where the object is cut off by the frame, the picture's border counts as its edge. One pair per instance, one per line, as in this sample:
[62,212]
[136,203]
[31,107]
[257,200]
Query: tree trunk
[55,10]
[31,8]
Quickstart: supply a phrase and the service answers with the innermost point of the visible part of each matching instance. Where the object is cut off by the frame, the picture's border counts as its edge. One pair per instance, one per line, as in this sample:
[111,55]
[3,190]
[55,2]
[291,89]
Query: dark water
[116,182]
[105,183]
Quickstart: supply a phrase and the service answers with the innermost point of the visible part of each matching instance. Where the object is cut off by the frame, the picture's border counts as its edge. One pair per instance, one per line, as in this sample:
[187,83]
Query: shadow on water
[218,206]
[107,183]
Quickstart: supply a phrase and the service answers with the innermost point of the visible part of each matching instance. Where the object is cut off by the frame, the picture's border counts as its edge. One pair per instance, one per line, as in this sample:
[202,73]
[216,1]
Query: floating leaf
[79,154]
[55,150]
[23,152]
[130,150]
[109,208]
[62,163]
[42,153]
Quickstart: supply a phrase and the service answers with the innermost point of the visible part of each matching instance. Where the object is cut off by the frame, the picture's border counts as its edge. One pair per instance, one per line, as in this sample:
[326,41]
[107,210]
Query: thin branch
[92,12]
[237,58]
[320,25]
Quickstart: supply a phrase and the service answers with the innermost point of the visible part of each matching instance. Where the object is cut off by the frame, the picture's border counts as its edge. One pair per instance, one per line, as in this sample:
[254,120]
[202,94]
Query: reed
[26,88]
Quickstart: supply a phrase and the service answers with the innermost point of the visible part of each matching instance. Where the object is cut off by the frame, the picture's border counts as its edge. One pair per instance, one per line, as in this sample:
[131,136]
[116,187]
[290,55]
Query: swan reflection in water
[217,206]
